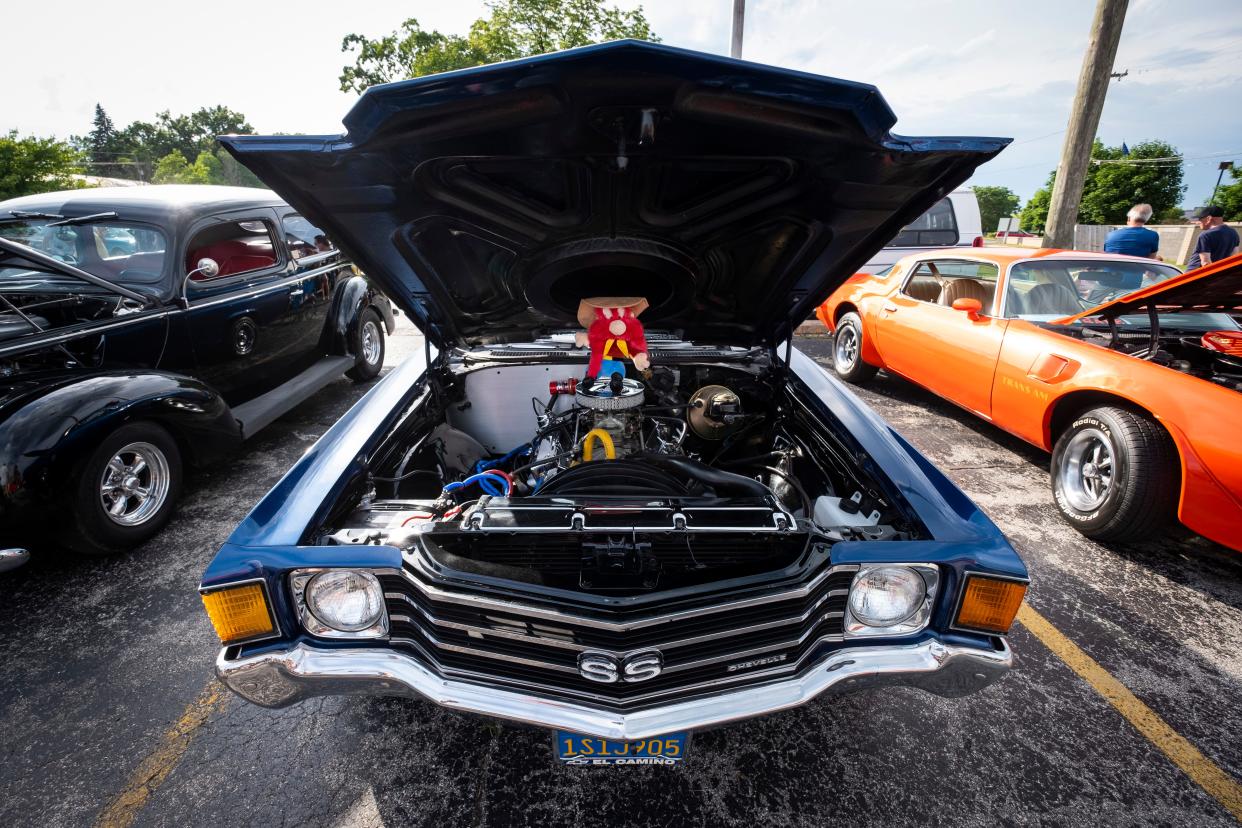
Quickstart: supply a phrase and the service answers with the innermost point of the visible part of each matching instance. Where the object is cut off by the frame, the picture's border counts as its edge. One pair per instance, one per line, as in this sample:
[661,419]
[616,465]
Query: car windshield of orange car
[1050,289]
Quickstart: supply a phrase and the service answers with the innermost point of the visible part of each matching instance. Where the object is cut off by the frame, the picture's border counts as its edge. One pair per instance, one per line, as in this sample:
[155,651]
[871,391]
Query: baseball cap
[1212,212]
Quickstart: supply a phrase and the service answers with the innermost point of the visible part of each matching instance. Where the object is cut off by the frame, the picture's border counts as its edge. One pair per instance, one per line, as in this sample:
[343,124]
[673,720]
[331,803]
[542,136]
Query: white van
[951,222]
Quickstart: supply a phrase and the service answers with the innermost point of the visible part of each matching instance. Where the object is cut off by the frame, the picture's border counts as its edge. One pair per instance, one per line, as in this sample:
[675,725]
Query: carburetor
[614,407]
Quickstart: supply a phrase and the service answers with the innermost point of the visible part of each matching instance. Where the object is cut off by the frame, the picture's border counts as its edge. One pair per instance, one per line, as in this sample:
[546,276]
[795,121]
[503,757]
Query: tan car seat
[924,289]
[966,289]
[1050,298]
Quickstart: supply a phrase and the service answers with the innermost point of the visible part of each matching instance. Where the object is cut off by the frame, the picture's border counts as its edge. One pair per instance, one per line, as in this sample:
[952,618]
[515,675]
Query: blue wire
[484,465]
[491,484]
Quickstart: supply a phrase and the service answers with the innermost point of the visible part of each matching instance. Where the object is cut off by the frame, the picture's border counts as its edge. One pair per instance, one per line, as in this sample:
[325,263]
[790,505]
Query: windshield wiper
[28,214]
[83,219]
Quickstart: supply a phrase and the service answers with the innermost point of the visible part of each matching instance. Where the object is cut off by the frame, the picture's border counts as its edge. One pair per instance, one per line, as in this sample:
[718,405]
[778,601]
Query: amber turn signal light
[989,604]
[239,613]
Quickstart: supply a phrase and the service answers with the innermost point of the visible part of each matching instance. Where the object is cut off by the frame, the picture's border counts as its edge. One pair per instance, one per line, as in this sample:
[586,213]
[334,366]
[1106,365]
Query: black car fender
[353,296]
[47,431]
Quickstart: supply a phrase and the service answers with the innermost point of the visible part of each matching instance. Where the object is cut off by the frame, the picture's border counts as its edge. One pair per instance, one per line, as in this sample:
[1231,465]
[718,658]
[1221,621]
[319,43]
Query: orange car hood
[1217,287]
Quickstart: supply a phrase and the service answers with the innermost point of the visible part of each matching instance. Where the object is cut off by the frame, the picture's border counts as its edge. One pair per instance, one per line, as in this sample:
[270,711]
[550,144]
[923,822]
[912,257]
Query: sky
[998,68]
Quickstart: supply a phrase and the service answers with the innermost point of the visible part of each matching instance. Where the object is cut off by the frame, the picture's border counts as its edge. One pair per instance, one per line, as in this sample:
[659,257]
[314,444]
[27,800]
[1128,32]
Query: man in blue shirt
[1217,241]
[1134,239]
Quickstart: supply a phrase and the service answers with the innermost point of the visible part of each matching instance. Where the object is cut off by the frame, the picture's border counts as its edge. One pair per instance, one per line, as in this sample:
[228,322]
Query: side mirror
[209,268]
[973,308]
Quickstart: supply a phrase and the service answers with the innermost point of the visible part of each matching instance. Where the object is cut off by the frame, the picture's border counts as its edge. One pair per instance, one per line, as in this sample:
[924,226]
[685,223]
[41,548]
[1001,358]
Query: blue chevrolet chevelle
[745,537]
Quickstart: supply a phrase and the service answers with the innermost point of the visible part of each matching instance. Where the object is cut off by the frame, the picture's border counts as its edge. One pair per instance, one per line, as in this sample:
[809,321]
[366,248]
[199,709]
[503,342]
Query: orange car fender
[1206,505]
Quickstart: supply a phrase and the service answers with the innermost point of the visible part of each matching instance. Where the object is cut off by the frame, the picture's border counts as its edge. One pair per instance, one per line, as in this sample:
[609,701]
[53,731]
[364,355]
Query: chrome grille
[508,642]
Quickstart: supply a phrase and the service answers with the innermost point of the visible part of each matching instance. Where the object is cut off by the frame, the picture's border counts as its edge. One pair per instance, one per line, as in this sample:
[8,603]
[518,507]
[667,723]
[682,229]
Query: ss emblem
[608,669]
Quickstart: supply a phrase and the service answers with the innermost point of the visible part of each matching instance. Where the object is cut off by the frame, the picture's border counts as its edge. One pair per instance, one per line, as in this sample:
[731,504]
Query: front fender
[48,427]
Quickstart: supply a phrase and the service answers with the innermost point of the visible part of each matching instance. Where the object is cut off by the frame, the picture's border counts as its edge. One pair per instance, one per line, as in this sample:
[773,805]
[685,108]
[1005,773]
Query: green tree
[514,29]
[995,203]
[1230,196]
[100,143]
[37,165]
[138,150]
[173,168]
[1035,214]
[1151,174]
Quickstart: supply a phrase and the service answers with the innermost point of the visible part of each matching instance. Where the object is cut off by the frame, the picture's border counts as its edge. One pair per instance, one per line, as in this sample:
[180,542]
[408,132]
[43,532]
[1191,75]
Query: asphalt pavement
[109,713]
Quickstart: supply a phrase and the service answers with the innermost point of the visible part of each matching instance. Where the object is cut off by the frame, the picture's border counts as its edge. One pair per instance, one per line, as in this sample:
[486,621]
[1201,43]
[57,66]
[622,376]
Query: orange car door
[920,335]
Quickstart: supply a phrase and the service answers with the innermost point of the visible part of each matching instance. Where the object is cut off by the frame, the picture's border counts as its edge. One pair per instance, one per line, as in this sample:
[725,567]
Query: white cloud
[968,67]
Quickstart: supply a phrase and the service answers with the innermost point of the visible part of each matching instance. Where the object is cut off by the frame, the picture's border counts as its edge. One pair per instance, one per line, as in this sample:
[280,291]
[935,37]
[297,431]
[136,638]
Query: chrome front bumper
[283,678]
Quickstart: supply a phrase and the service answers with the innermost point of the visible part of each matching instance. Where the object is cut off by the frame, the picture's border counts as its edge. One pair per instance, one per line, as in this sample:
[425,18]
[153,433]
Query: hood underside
[733,196]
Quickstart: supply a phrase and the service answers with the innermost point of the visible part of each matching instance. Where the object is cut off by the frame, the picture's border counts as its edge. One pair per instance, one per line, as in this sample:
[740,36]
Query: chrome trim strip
[258,291]
[483,602]
[471,651]
[278,679]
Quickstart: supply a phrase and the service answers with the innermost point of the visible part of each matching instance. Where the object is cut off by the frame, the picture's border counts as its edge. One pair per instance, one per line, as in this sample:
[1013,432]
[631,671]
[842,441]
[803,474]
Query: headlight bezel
[911,624]
[300,581]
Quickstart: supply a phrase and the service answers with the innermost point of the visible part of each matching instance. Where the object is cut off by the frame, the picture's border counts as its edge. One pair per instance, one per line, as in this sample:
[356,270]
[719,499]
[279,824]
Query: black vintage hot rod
[147,329]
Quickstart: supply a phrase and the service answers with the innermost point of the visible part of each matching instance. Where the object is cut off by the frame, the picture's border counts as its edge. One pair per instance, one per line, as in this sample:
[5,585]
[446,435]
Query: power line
[1168,159]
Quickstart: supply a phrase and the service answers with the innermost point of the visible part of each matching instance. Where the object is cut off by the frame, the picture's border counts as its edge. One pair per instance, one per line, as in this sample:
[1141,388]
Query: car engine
[701,472]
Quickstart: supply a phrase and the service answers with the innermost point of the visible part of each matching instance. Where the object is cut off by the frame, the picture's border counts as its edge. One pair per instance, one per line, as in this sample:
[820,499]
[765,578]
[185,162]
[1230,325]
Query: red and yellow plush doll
[613,332]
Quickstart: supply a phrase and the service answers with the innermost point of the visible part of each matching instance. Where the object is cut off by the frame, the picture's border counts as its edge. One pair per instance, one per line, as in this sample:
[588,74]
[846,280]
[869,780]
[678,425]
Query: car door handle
[889,307]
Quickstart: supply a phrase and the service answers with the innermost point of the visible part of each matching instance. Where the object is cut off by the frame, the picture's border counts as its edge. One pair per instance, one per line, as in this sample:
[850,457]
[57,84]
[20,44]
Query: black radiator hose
[722,482]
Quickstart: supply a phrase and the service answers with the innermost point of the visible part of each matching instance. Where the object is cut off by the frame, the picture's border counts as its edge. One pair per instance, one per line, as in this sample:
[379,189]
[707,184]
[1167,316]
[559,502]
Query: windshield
[123,252]
[1051,289]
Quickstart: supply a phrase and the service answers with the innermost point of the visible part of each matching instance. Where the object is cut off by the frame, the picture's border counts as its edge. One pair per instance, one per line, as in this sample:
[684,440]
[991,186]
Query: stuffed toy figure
[613,332]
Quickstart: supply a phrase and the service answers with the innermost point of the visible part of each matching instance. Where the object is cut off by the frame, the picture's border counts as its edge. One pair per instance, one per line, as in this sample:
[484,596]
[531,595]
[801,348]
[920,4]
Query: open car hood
[733,196]
[1217,287]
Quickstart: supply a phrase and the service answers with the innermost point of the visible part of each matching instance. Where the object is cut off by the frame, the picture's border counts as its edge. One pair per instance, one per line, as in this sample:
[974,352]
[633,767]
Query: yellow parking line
[1203,771]
[156,767]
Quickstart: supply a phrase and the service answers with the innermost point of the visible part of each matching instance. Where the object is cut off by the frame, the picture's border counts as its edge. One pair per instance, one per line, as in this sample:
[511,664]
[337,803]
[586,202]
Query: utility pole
[1097,67]
[739,23]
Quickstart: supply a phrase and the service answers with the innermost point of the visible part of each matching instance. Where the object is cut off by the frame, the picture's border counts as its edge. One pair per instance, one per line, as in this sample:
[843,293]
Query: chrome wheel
[372,339]
[1086,472]
[135,484]
[845,354]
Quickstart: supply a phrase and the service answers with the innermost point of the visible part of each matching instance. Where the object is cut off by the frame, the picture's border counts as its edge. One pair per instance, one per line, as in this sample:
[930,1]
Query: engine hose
[722,482]
[755,458]
[605,439]
[807,508]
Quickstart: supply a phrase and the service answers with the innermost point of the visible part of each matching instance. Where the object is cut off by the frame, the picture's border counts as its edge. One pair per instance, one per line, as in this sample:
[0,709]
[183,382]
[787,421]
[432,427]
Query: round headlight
[345,600]
[886,596]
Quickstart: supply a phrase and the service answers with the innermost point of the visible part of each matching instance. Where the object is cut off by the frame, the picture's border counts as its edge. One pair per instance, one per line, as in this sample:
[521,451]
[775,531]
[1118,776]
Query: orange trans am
[1128,371]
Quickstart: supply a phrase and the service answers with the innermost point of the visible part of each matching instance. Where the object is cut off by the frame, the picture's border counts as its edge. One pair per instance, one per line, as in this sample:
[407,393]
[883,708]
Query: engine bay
[1214,356]
[700,472]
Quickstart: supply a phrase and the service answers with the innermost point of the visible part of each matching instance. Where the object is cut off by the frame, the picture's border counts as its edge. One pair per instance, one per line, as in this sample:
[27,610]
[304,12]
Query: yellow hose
[605,439]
